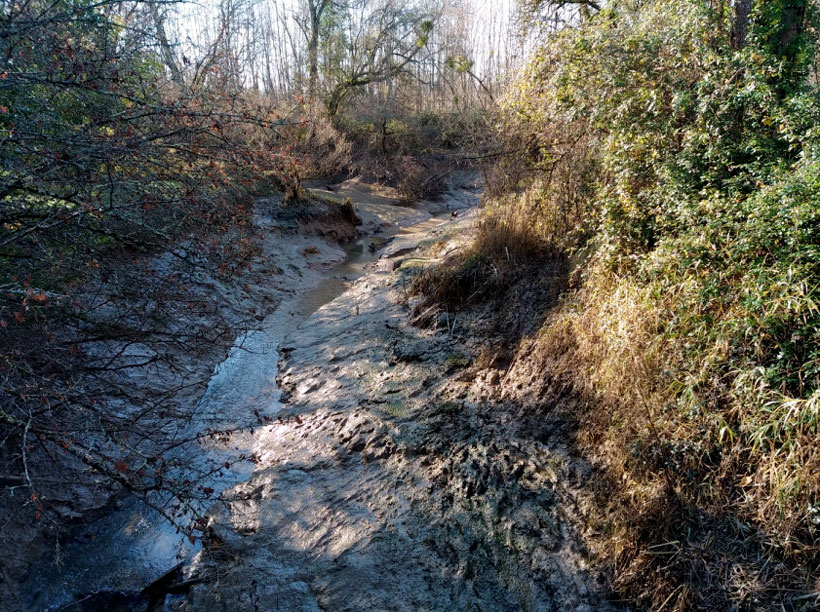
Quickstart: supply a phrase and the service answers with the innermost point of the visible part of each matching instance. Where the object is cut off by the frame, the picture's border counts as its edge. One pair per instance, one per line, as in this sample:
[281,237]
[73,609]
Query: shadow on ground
[399,478]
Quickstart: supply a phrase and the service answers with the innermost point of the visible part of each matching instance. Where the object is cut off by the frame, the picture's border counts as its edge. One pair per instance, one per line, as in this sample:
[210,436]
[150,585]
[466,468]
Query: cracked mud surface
[398,477]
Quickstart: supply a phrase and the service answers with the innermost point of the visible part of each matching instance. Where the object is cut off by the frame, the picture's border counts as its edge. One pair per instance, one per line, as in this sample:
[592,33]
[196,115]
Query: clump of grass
[511,243]
[700,365]
[468,278]
[395,409]
[456,361]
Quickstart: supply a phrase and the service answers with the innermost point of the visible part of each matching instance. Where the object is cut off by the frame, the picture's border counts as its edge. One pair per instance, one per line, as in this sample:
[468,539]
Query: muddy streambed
[108,563]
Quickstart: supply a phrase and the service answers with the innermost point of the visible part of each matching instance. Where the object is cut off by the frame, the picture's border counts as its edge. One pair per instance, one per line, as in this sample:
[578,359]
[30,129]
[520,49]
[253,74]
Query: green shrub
[683,176]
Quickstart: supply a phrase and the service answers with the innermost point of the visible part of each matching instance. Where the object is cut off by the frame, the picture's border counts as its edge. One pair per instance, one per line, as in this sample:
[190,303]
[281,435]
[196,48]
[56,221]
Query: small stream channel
[108,563]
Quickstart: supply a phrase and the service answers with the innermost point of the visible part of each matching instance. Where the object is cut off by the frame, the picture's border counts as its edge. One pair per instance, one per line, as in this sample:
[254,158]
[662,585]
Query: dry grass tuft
[692,514]
[509,246]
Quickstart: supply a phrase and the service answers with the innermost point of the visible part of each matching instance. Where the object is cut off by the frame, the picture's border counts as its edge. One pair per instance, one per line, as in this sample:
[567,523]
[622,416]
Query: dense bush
[681,169]
[411,151]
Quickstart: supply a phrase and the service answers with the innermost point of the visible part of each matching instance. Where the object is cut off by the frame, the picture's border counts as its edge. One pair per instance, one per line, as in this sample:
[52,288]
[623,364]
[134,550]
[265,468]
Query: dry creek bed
[398,476]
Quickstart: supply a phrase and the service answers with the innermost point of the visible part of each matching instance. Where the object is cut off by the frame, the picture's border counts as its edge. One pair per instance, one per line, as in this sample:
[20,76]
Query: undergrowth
[414,152]
[680,174]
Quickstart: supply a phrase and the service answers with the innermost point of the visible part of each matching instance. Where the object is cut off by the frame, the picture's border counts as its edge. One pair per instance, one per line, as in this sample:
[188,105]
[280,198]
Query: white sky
[488,21]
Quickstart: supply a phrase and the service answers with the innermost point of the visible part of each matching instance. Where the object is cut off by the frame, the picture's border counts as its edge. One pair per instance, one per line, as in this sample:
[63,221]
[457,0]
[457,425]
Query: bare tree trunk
[740,24]
[313,62]
[165,47]
[793,18]
[316,9]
